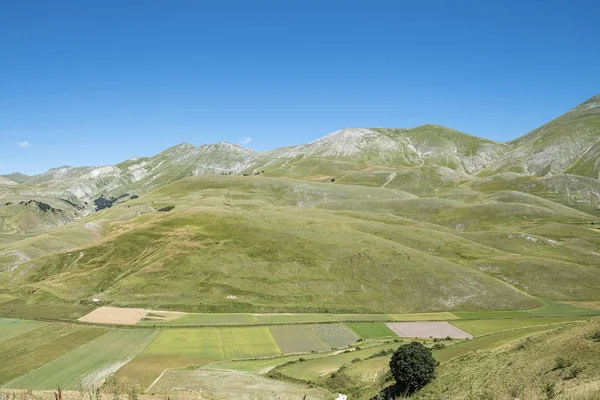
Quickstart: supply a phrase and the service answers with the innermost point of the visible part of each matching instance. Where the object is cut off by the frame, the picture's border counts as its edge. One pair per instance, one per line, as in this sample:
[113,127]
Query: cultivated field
[179,348]
[10,327]
[115,316]
[27,351]
[223,319]
[335,335]
[173,359]
[234,385]
[297,339]
[315,368]
[427,330]
[263,365]
[371,330]
[89,365]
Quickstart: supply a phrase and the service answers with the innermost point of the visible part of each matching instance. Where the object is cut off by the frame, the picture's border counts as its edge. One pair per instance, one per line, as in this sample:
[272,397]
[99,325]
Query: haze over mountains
[436,218]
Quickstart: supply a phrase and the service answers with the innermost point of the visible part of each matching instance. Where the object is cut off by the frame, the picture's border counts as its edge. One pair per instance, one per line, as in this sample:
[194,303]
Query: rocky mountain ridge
[425,160]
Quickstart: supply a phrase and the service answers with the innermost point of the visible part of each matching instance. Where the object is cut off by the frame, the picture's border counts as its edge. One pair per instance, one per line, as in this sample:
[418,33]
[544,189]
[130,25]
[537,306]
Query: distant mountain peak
[227,145]
[349,133]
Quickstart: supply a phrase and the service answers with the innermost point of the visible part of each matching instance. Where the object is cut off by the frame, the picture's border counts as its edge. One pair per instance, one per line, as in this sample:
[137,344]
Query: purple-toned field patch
[428,330]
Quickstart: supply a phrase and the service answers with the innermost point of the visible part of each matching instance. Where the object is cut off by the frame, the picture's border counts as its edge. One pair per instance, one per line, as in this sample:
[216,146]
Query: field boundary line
[157,379]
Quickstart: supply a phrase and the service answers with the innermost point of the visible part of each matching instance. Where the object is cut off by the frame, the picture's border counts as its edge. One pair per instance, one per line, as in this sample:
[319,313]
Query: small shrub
[381,353]
[133,389]
[397,340]
[573,373]
[355,360]
[438,346]
[549,391]
[448,338]
[562,363]
[301,359]
[523,344]
[595,336]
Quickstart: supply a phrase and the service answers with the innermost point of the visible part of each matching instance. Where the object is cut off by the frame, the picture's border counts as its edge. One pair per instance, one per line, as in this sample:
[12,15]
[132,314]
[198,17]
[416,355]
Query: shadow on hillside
[392,392]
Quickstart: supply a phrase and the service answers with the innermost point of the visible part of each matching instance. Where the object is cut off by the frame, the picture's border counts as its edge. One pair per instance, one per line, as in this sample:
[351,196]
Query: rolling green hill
[362,220]
[274,244]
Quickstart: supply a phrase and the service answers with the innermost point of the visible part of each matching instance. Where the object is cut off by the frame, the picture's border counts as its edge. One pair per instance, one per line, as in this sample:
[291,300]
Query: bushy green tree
[413,367]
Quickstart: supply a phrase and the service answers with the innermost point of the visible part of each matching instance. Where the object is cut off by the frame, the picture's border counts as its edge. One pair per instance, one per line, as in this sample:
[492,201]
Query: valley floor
[262,356]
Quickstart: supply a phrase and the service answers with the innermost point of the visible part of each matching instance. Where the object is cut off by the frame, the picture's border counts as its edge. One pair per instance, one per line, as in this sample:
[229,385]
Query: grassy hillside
[254,243]
[259,244]
[568,143]
[360,221]
[562,363]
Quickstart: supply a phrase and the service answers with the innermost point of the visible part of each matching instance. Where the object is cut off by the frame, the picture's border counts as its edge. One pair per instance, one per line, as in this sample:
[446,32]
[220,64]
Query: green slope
[266,244]
[528,369]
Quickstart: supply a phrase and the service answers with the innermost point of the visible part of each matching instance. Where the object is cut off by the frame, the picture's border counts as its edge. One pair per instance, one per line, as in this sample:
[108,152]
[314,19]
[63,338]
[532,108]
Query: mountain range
[439,197]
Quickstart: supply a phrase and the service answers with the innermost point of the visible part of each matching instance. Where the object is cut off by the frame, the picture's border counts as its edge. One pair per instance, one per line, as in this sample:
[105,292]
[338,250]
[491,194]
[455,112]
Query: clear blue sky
[97,82]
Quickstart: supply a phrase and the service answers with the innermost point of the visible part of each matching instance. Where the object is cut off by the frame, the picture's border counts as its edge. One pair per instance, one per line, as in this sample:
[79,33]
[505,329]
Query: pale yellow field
[114,315]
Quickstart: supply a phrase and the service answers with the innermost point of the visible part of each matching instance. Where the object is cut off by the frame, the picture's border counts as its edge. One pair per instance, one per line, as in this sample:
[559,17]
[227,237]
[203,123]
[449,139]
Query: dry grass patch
[115,316]
[234,385]
[594,305]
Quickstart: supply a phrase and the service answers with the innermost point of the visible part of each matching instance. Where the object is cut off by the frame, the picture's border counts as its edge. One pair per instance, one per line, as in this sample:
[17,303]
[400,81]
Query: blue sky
[97,82]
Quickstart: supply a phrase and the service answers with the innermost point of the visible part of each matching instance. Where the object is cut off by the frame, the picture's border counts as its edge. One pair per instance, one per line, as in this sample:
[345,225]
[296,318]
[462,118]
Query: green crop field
[14,327]
[312,369]
[88,365]
[335,335]
[248,343]
[263,365]
[315,318]
[215,343]
[297,339]
[25,352]
[222,319]
[433,316]
[486,326]
[492,314]
[371,330]
[179,348]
